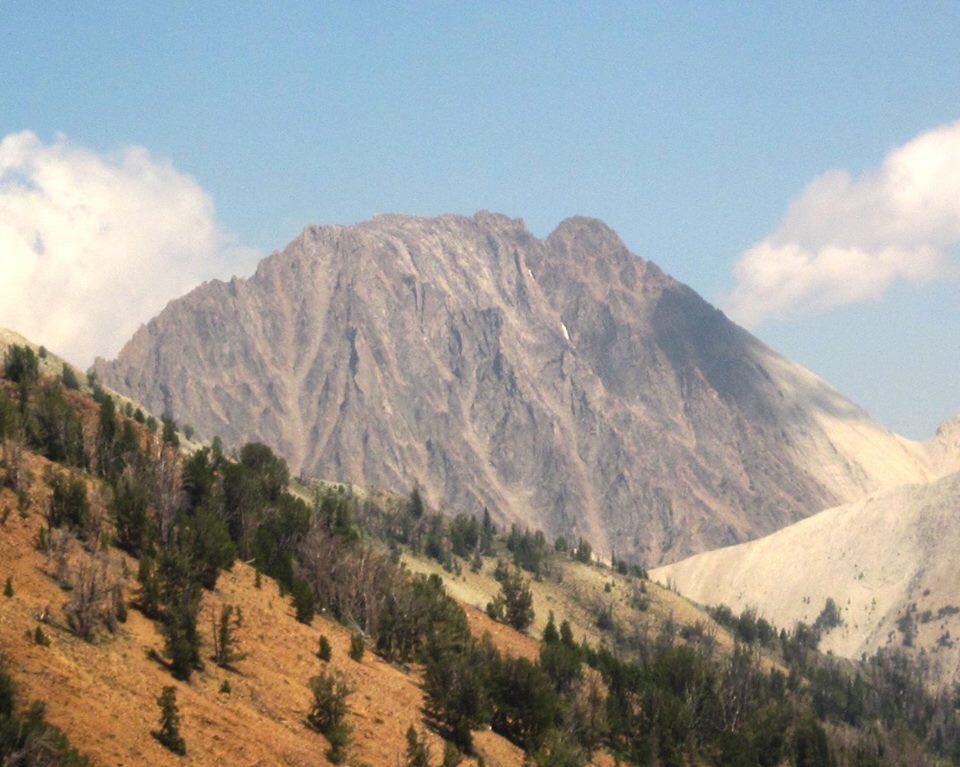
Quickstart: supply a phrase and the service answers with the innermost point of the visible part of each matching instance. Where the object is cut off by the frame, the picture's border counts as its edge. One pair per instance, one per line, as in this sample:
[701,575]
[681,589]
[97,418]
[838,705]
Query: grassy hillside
[119,550]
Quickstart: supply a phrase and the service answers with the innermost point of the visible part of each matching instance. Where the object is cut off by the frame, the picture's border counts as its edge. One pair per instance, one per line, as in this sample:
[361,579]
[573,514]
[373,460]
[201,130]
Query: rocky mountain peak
[588,236]
[562,383]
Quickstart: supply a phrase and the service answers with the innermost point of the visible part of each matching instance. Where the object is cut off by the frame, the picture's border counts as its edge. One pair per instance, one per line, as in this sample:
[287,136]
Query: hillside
[563,383]
[889,561]
[103,695]
[120,547]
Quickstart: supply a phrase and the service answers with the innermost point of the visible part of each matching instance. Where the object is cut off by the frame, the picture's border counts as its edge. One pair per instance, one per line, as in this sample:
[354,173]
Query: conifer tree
[225,652]
[328,712]
[324,651]
[418,751]
[451,755]
[169,732]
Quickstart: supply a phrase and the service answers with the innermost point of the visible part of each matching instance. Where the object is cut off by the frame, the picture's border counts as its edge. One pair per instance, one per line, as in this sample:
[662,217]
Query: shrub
[8,587]
[329,710]
[828,618]
[455,684]
[129,504]
[69,378]
[418,751]
[68,503]
[21,365]
[451,755]
[514,604]
[40,637]
[303,601]
[584,552]
[356,647]
[54,429]
[170,432]
[169,732]
[557,750]
[324,651]
[27,739]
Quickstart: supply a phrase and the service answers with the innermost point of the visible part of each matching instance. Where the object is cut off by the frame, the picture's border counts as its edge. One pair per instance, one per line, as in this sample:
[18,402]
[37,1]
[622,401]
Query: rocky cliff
[564,383]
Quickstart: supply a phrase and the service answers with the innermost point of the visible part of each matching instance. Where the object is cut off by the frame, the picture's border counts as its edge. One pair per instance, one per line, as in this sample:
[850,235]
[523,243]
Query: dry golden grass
[574,592]
[103,694]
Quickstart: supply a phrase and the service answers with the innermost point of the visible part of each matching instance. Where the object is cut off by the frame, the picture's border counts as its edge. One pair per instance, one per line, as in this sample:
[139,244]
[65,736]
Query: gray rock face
[564,383]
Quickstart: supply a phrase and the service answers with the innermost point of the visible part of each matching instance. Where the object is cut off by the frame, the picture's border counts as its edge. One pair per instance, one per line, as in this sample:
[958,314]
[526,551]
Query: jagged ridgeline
[563,383]
[102,510]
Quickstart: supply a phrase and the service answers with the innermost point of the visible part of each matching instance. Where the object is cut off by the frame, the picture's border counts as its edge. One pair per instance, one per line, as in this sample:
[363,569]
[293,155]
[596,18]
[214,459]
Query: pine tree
[148,595]
[169,732]
[170,432]
[304,601]
[356,647]
[514,604]
[225,652]
[550,633]
[69,378]
[451,755]
[415,505]
[324,651]
[182,644]
[328,712]
[487,533]
[418,752]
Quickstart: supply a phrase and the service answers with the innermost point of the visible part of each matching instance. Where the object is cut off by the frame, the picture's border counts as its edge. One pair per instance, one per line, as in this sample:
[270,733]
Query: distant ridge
[890,561]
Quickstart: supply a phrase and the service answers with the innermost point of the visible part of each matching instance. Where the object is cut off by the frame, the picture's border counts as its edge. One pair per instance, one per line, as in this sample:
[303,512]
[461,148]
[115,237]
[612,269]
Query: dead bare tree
[12,461]
[96,598]
[167,490]
[61,544]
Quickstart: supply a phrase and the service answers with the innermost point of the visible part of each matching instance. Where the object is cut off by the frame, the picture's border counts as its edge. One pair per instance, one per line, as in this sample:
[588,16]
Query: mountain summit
[563,383]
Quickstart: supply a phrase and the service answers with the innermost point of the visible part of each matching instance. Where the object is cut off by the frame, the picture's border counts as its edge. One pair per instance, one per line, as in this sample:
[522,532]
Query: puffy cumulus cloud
[93,245]
[845,240]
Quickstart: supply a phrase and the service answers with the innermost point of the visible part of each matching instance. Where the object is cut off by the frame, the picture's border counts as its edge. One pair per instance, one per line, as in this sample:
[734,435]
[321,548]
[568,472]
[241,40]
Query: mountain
[564,383]
[889,561]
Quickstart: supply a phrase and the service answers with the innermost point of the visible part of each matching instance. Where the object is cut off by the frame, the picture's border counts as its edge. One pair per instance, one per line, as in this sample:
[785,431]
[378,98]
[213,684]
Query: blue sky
[688,127]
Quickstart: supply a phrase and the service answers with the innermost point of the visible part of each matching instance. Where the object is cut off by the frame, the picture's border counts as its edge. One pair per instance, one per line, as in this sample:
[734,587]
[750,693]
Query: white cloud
[93,245]
[846,240]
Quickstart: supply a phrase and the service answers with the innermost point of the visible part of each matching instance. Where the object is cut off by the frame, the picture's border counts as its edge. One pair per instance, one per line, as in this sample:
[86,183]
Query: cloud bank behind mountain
[92,245]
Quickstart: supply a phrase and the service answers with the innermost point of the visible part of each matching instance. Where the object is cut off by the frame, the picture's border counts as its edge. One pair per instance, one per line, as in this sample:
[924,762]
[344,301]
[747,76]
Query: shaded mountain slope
[564,383]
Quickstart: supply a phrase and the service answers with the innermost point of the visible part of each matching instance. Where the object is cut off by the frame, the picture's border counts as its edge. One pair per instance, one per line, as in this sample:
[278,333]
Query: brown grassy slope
[103,695]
